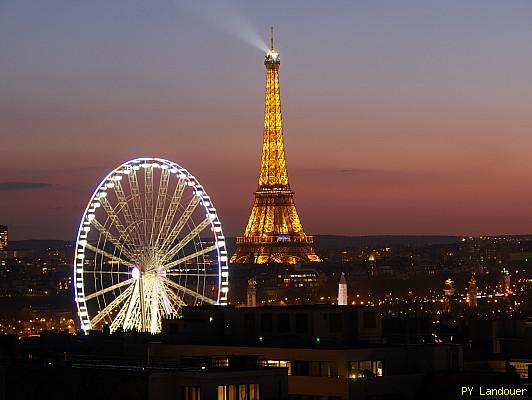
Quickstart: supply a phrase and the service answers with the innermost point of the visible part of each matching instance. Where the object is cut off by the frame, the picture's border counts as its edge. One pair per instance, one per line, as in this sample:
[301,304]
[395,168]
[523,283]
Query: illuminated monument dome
[274,232]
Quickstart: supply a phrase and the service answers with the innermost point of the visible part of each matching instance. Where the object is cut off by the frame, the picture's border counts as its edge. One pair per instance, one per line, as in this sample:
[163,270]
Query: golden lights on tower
[274,232]
[472,292]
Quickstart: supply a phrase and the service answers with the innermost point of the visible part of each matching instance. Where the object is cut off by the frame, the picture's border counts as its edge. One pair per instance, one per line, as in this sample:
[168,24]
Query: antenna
[271,38]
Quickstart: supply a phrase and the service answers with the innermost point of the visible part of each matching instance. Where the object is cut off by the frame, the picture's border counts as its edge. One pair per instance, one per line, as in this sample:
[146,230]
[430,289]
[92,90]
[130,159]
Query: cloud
[23,185]
[358,171]
[374,172]
[346,171]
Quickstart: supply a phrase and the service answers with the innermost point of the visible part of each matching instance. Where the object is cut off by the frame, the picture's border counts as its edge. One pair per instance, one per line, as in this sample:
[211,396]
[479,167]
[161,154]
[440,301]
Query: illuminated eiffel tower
[274,232]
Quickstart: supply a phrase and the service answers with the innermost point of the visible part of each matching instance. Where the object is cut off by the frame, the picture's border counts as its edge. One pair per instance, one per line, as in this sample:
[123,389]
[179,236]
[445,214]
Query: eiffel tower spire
[274,232]
[273,166]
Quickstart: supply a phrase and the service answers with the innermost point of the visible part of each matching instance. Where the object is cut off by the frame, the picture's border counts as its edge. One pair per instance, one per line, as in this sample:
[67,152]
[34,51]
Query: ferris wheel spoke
[111,306]
[178,302]
[109,236]
[123,205]
[193,274]
[198,253]
[137,204]
[108,289]
[159,207]
[110,256]
[148,202]
[115,220]
[183,242]
[95,271]
[188,291]
[170,239]
[170,213]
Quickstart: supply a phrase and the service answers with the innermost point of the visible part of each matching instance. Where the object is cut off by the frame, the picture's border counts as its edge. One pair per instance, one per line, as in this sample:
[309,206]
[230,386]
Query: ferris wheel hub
[135,273]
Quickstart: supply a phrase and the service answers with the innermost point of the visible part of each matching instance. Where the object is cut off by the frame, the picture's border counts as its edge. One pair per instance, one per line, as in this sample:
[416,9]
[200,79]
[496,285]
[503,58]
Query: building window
[301,368]
[301,323]
[335,322]
[249,321]
[369,319]
[365,368]
[283,322]
[192,393]
[245,391]
[314,368]
[227,392]
[248,391]
[320,368]
[266,322]
[220,362]
[280,363]
[254,391]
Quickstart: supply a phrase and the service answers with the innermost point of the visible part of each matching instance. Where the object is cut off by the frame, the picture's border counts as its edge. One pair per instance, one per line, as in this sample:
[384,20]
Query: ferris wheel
[149,243]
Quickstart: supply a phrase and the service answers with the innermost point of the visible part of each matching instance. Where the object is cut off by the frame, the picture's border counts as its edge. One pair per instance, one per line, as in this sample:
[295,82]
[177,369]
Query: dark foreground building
[208,378]
[60,366]
[314,352]
[330,352]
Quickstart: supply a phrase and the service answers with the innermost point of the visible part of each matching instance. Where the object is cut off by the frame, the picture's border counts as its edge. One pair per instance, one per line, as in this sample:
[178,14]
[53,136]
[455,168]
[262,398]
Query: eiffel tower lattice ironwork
[274,232]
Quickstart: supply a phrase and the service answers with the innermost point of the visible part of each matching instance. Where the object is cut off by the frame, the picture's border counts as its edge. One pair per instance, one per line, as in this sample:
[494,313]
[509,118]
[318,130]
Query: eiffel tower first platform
[274,233]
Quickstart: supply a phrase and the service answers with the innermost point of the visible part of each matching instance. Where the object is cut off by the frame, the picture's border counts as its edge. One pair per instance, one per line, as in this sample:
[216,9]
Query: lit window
[245,391]
[192,393]
[365,368]
[280,363]
[227,392]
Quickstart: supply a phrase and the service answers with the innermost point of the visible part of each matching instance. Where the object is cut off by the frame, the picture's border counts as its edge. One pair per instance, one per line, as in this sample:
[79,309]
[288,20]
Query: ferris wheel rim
[213,221]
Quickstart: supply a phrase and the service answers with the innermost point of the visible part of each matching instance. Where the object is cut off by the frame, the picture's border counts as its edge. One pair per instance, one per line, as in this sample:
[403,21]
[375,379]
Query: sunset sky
[400,117]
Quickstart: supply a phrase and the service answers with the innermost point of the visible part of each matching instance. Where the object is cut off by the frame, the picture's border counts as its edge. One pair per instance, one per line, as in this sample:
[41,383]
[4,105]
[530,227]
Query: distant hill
[38,244]
[333,241]
[322,242]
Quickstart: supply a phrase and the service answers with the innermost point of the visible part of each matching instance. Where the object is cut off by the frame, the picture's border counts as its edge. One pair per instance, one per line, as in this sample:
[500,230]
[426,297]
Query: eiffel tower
[274,233]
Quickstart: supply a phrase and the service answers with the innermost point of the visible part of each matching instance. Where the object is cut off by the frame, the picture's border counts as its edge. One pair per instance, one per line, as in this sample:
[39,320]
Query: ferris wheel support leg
[154,313]
[132,301]
[167,303]
[142,306]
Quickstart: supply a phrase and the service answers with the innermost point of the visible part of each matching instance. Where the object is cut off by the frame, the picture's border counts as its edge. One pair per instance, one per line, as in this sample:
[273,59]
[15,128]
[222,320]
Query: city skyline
[387,130]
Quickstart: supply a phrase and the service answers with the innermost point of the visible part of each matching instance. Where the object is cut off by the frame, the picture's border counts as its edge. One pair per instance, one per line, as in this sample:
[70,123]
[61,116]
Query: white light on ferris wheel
[135,273]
